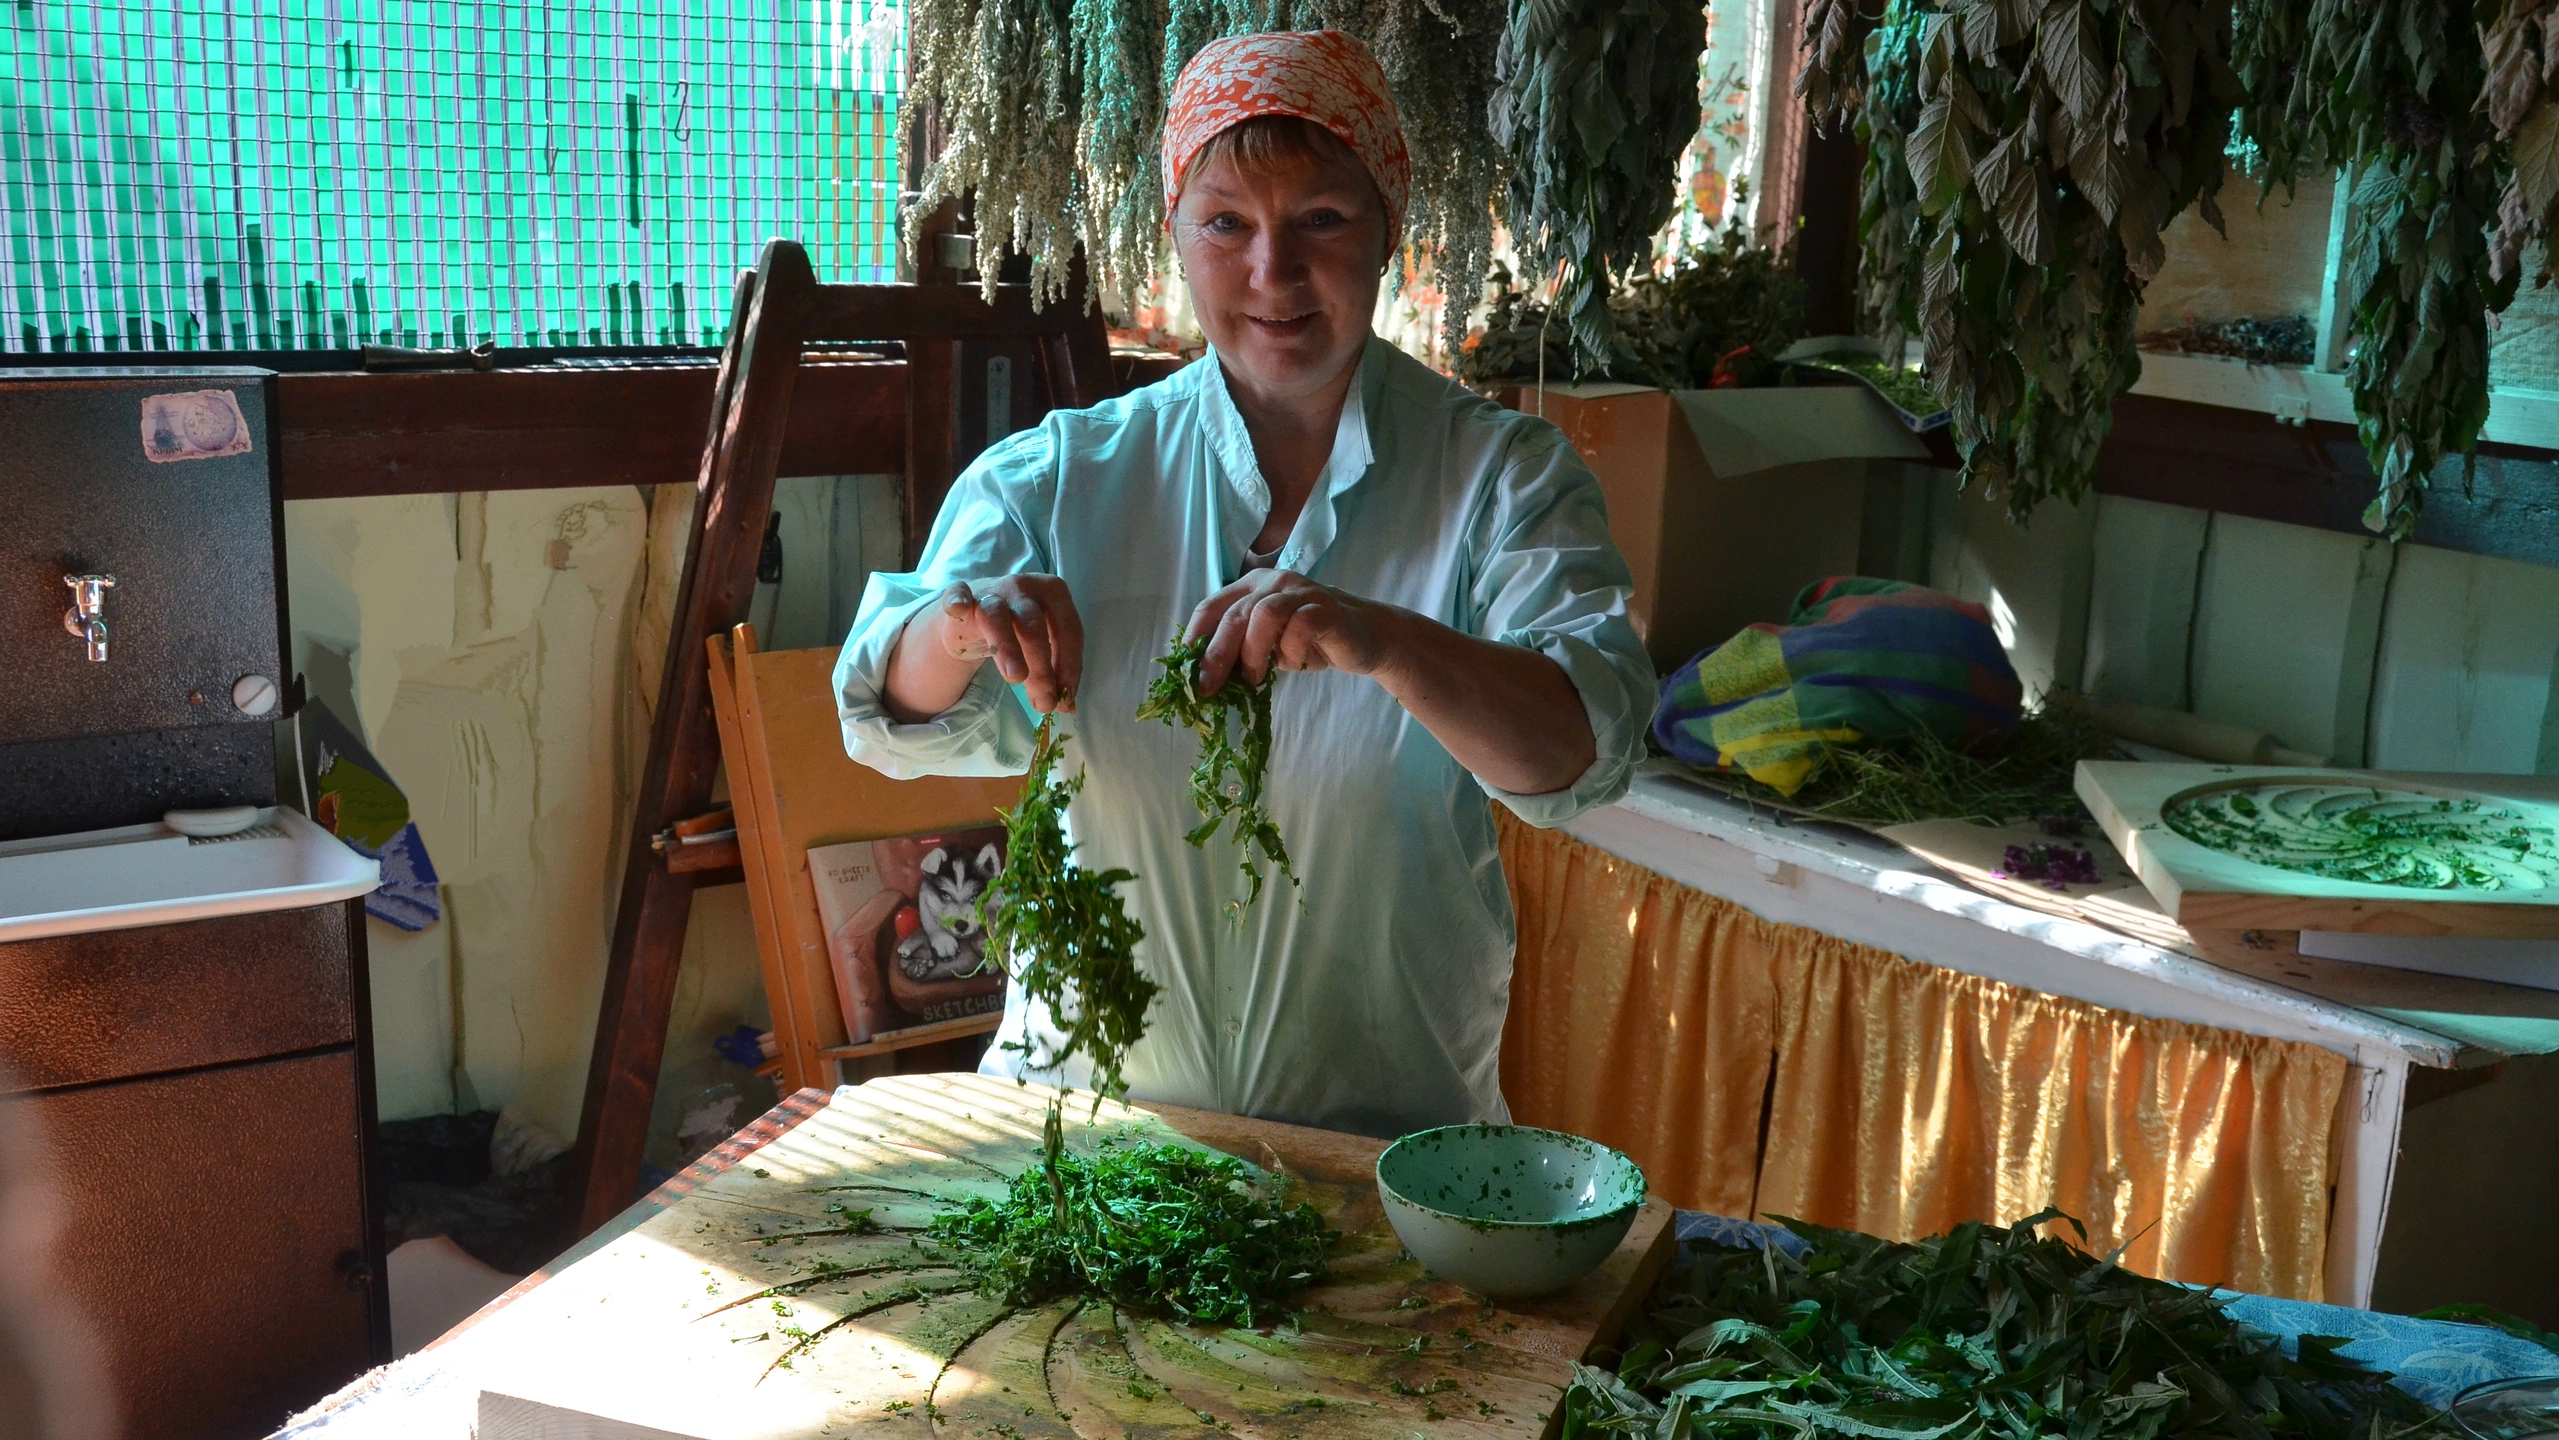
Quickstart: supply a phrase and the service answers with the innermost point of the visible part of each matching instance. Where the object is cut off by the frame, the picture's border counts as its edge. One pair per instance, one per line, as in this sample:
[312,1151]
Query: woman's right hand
[1025,623]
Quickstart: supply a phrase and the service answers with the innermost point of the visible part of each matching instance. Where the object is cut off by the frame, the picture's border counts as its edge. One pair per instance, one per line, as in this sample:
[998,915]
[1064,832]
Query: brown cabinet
[204,1092]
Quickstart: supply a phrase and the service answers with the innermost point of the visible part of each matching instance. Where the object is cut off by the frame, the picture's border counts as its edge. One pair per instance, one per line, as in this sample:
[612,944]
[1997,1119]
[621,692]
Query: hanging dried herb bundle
[2391,92]
[1007,79]
[2520,48]
[1597,101]
[2022,163]
[1728,306]
[1062,932]
[1979,1334]
[1233,773]
[1055,111]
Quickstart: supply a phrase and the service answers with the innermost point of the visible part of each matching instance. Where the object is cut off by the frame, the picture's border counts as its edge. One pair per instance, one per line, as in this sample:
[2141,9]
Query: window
[317,174]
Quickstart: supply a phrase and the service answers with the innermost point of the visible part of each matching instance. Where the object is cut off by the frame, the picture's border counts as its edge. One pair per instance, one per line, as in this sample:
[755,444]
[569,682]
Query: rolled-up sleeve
[981,534]
[1550,579]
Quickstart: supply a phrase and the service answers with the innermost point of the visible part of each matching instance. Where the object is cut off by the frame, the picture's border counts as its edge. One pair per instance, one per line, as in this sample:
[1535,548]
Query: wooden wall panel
[2141,600]
[2463,680]
[2286,621]
[2034,581]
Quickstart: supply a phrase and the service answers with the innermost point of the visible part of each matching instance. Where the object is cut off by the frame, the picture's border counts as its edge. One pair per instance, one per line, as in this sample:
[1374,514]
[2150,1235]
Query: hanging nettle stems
[1598,99]
[2394,93]
[2022,160]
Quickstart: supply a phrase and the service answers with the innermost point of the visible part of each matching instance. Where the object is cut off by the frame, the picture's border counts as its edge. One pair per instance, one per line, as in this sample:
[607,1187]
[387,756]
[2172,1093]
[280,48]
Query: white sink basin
[152,875]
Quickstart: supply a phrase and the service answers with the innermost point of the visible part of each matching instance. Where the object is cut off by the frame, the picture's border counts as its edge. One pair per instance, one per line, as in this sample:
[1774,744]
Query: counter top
[1847,882]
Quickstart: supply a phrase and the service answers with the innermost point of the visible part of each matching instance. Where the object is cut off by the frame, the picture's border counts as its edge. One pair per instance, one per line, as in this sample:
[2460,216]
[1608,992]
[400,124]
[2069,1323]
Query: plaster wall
[500,654]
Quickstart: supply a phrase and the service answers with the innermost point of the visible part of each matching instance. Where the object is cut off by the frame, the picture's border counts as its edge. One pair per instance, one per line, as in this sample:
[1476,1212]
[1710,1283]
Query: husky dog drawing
[952,940]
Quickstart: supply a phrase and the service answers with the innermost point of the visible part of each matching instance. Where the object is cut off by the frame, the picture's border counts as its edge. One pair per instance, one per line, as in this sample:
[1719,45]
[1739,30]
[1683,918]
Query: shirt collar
[1349,463]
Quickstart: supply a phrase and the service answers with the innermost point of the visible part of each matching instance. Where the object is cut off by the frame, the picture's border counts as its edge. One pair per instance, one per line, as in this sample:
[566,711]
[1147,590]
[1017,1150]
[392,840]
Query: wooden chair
[779,308]
[792,786]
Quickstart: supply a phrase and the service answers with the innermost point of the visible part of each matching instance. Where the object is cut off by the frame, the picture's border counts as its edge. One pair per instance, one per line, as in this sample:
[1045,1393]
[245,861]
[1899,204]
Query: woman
[1434,570]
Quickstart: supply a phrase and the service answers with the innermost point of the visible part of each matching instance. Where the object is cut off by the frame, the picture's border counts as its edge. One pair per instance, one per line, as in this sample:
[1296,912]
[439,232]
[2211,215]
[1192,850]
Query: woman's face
[1283,265]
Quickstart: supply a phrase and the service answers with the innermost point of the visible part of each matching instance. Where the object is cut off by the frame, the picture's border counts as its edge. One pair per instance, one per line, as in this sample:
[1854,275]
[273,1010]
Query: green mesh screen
[315,174]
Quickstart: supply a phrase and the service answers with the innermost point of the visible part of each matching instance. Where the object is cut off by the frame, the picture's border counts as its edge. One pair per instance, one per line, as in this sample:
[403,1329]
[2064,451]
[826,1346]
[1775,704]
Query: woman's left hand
[1279,619]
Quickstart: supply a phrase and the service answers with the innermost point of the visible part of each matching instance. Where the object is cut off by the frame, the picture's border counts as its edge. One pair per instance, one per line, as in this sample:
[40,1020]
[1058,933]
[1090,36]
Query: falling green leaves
[1981,1332]
[1163,1229]
[1063,933]
[1233,773]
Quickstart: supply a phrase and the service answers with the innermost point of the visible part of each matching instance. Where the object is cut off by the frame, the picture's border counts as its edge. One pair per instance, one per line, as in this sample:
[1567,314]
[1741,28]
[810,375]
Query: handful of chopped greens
[1234,726]
[1159,1228]
[1063,932]
[1981,1332]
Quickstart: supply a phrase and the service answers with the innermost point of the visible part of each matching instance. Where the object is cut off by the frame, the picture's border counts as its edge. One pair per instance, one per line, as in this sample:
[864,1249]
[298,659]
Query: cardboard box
[1729,502]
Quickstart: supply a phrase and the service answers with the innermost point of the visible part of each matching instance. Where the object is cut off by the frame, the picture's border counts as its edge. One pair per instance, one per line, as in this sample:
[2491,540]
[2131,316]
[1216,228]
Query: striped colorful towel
[1859,661]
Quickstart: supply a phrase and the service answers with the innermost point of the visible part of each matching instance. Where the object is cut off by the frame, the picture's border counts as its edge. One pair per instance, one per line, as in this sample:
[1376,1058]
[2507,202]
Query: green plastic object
[1508,1209]
[323,174]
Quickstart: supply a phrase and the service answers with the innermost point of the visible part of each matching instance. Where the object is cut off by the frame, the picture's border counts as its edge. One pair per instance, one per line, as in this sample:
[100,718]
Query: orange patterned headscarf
[1320,75]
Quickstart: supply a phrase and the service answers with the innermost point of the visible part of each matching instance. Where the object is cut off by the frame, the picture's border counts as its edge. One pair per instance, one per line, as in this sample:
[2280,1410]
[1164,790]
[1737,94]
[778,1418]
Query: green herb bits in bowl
[1508,1209]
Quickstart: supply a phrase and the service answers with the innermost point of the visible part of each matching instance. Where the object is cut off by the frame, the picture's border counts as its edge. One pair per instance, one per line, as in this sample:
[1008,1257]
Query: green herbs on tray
[1233,774]
[1158,1228]
[1063,933]
[2028,773]
[1980,1334]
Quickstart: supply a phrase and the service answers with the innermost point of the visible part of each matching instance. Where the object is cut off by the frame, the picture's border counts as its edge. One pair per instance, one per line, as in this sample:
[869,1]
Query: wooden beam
[352,434]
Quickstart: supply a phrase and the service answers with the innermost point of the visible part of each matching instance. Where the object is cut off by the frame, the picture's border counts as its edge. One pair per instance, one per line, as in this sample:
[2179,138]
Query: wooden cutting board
[680,1328]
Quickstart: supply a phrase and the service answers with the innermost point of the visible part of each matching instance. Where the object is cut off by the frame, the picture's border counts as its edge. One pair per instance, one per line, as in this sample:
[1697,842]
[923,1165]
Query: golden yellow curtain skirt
[1761,1069]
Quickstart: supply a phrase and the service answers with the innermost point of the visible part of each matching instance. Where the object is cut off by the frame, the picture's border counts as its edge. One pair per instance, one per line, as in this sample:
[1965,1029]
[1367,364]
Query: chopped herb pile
[1982,1332]
[2055,867]
[1228,783]
[2371,837]
[2025,774]
[1157,1228]
[1063,933]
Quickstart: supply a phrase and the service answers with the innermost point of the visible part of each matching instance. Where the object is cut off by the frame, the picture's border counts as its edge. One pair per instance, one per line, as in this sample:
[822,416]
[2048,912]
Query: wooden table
[701,1320]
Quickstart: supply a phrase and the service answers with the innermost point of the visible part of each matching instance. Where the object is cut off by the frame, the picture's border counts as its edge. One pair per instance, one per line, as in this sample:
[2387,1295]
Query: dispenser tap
[87,617]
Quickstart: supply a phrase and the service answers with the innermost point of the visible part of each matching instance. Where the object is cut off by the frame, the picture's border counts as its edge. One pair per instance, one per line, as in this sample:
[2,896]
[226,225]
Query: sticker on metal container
[193,425]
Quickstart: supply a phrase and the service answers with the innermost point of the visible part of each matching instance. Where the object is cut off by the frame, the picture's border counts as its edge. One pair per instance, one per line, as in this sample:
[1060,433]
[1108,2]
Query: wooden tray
[649,1332]
[2205,889]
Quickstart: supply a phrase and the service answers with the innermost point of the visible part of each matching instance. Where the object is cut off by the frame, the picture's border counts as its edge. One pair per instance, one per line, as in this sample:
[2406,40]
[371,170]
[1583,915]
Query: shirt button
[1234,789]
[1234,1028]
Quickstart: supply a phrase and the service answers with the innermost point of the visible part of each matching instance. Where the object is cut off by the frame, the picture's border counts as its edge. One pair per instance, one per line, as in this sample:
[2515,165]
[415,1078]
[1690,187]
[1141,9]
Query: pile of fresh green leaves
[2029,773]
[1597,100]
[2393,93]
[1158,1228]
[1728,307]
[2023,160]
[1063,933]
[1982,1332]
[1233,774]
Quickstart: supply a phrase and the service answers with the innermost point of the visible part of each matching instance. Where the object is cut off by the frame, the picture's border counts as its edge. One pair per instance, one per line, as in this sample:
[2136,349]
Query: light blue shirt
[1371,1000]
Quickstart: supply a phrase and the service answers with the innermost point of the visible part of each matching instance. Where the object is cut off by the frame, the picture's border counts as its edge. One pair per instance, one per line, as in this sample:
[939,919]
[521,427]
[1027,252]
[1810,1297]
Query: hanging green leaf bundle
[1979,1334]
[2023,161]
[2394,93]
[1063,933]
[1233,774]
[1597,101]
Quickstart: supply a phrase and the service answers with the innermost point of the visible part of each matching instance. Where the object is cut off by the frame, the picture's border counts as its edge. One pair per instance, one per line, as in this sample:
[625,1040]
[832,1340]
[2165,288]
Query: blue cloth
[1372,999]
[2433,1360]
